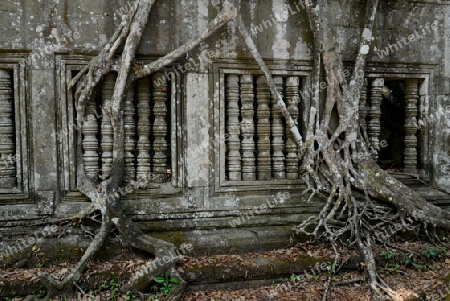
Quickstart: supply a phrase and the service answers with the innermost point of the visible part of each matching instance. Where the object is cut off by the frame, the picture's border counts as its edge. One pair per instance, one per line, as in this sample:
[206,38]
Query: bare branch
[228,13]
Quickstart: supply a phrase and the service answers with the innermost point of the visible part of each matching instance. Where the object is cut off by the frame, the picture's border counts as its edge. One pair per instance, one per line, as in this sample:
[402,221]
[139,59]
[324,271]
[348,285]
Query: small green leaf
[175,281]
[159,279]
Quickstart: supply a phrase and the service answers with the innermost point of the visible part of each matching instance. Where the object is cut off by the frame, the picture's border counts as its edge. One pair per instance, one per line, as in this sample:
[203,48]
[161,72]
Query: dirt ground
[422,274]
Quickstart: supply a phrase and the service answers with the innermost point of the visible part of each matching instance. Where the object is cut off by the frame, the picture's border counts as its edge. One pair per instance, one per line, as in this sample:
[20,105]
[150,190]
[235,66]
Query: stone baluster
[374,127]
[106,126]
[233,128]
[160,127]
[247,129]
[90,142]
[411,101]
[278,166]
[292,99]
[362,105]
[8,178]
[130,132]
[143,130]
[263,129]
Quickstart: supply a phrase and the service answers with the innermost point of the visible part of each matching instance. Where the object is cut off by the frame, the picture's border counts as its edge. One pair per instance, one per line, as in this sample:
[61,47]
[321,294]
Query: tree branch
[228,13]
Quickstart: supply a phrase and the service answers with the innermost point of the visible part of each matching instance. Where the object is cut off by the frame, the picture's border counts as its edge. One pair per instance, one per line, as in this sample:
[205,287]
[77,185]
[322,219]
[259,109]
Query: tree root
[166,259]
[54,288]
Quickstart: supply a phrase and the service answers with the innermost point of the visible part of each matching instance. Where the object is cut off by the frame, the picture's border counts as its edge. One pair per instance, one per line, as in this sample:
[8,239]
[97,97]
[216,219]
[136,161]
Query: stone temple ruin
[204,136]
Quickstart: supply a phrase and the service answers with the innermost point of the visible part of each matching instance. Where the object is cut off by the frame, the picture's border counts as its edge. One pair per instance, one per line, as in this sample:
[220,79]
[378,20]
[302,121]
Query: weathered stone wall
[46,36]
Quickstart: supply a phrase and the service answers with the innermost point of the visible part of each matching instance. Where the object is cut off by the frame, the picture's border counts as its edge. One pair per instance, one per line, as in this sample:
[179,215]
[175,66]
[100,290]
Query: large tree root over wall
[336,160]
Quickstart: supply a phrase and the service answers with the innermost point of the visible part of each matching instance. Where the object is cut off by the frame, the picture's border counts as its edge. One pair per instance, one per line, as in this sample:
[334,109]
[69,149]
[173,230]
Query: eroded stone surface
[411,39]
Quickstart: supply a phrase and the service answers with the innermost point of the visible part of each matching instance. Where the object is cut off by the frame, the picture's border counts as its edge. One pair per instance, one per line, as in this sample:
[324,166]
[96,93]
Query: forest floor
[423,274]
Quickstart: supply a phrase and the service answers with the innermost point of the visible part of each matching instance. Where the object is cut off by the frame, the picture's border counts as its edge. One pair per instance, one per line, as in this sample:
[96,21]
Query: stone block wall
[44,43]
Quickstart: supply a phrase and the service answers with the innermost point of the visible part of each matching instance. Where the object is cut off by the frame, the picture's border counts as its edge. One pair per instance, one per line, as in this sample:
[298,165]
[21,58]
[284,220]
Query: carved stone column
[8,177]
[374,127]
[263,129]
[248,129]
[90,142]
[143,130]
[411,98]
[107,129]
[160,127]
[292,99]
[362,106]
[278,166]
[130,132]
[233,128]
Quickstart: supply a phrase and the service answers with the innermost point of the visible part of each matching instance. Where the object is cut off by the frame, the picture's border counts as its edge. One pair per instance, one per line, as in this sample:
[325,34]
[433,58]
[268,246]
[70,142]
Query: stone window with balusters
[14,166]
[146,118]
[259,149]
[256,148]
[150,138]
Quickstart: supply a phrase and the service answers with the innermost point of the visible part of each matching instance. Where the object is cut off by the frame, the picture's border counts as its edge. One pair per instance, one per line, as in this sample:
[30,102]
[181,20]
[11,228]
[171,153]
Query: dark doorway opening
[392,135]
